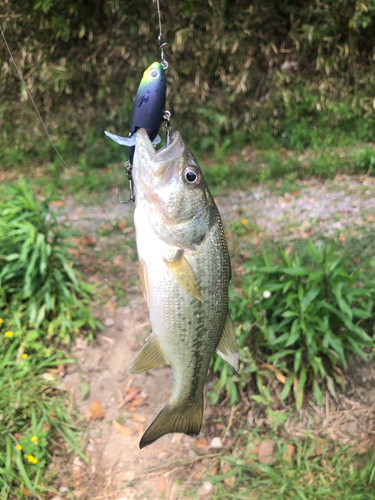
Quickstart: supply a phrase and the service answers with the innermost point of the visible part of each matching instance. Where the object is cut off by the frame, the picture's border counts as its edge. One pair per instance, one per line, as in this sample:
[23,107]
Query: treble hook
[161,48]
[167,118]
[128,169]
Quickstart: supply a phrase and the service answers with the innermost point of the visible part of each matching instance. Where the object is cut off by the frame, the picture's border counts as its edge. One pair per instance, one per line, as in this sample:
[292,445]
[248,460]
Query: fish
[148,108]
[185,272]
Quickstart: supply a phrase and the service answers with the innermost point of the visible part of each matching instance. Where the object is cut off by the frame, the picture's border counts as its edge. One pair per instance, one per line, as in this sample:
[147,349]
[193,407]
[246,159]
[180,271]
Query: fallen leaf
[317,450]
[46,427]
[48,376]
[224,468]
[121,224]
[289,452]
[266,451]
[96,410]
[370,218]
[342,238]
[161,484]
[88,240]
[121,429]
[118,260]
[280,377]
[111,306]
[57,203]
[131,393]
[200,443]
[138,417]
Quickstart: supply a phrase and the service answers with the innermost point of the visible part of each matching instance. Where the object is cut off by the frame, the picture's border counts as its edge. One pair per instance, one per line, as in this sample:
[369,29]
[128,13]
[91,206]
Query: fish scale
[185,272]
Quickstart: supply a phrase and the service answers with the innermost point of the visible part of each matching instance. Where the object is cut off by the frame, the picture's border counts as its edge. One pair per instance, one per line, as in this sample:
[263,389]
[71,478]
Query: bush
[304,317]
[42,296]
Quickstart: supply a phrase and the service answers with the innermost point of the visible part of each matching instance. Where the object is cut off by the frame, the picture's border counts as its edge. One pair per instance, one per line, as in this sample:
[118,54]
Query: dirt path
[118,468]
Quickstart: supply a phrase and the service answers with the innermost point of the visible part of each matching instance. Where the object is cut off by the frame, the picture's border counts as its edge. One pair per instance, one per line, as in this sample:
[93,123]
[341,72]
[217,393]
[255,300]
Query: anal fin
[227,347]
[184,275]
[150,356]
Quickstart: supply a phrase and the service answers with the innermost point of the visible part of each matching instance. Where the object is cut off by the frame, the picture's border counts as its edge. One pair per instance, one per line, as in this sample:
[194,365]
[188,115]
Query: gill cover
[148,108]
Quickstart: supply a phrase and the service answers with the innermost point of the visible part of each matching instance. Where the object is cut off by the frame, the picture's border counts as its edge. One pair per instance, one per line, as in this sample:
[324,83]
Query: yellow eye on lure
[148,108]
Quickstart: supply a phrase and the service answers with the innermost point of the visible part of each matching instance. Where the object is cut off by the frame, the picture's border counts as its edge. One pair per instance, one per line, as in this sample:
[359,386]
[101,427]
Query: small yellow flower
[34,460]
[1,320]
[34,439]
[18,447]
[27,456]
[243,222]
[70,264]
[30,458]
[24,356]
[255,288]
[8,334]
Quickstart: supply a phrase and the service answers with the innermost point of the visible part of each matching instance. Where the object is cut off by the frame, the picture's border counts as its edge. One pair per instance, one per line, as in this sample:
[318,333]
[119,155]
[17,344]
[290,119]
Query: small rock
[93,433]
[90,448]
[129,475]
[109,322]
[191,454]
[77,464]
[205,489]
[63,489]
[216,443]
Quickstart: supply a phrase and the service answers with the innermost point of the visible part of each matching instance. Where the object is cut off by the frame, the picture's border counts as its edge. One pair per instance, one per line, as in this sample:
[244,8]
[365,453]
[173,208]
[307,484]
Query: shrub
[42,296]
[303,317]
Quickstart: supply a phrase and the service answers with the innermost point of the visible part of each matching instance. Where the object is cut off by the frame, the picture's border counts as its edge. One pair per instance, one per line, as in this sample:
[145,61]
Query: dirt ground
[125,405]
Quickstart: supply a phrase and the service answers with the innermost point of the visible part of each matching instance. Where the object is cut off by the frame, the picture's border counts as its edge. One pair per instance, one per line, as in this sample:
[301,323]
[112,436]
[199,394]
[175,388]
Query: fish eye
[191,176]
[154,73]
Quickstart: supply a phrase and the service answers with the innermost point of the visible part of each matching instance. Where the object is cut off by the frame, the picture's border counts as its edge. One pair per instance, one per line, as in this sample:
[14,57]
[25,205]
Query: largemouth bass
[185,272]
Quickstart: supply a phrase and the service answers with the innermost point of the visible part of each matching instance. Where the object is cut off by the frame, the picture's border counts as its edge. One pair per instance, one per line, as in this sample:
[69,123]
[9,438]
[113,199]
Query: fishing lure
[148,108]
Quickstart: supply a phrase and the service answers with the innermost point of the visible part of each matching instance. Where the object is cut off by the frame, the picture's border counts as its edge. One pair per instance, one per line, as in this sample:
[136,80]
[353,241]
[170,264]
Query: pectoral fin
[150,356]
[184,275]
[227,347]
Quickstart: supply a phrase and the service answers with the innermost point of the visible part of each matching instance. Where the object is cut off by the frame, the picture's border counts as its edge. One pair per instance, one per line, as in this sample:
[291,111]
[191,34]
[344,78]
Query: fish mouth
[164,158]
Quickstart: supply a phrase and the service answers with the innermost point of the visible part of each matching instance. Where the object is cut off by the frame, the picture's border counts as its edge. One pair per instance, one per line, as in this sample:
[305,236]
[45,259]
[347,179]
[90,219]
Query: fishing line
[71,169]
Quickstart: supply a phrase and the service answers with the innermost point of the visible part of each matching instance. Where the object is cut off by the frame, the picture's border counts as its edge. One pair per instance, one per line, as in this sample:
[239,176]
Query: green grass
[336,472]
[38,421]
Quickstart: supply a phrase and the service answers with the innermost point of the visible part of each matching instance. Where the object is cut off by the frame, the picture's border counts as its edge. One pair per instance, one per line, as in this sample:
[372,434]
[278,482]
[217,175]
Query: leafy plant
[41,293]
[304,316]
[35,417]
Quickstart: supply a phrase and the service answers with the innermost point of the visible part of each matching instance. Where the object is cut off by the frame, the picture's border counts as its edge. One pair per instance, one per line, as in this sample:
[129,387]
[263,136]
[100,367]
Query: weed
[42,294]
[35,415]
[304,316]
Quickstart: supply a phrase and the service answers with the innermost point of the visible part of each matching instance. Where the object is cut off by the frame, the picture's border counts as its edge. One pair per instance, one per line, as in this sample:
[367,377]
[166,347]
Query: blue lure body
[148,108]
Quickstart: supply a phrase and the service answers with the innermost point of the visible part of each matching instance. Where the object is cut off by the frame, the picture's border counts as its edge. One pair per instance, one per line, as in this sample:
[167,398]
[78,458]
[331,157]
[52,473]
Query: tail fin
[185,418]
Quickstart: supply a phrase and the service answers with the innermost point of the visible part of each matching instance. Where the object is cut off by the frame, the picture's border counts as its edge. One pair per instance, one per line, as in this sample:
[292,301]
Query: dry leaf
[370,218]
[131,393]
[118,260]
[48,376]
[266,451]
[111,306]
[88,240]
[121,224]
[289,452]
[200,443]
[280,377]
[224,468]
[342,238]
[138,417]
[121,429]
[96,410]
[57,203]
[161,484]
